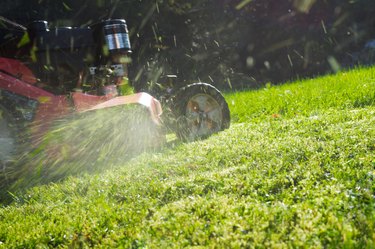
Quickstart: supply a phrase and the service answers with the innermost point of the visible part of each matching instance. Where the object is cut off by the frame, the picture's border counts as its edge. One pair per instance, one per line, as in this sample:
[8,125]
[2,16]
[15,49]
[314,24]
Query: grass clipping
[89,142]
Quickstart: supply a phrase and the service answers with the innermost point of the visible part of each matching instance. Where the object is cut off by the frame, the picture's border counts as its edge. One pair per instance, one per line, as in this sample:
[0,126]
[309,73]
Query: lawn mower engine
[90,59]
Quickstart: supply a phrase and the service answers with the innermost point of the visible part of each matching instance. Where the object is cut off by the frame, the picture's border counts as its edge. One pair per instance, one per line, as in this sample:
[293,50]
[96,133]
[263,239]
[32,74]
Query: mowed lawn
[296,169]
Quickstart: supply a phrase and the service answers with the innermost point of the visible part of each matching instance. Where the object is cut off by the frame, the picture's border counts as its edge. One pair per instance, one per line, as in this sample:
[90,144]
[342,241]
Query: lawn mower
[48,73]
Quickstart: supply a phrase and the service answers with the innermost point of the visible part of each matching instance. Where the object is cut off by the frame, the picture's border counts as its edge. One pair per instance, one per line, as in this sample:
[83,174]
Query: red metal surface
[85,102]
[145,99]
[20,87]
[17,69]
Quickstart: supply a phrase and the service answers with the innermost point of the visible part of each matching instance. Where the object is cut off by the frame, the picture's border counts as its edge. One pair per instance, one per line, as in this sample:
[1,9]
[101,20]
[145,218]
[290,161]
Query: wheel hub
[204,115]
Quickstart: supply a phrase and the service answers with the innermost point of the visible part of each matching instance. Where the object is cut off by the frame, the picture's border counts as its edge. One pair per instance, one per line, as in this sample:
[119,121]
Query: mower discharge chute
[46,74]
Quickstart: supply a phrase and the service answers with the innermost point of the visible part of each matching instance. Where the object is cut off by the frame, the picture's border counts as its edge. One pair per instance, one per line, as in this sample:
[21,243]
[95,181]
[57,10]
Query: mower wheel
[200,111]
[8,139]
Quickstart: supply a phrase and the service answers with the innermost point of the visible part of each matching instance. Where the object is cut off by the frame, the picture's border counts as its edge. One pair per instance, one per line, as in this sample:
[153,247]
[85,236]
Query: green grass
[296,169]
[346,90]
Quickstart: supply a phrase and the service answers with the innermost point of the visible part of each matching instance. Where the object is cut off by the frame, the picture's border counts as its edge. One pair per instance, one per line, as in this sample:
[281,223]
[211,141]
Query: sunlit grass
[290,172]
[352,89]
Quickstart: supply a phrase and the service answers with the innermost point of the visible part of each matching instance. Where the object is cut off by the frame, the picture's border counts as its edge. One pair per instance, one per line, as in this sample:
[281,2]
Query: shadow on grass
[91,142]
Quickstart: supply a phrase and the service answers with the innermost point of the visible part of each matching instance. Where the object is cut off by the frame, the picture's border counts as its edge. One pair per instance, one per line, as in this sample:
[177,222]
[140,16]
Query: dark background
[231,44]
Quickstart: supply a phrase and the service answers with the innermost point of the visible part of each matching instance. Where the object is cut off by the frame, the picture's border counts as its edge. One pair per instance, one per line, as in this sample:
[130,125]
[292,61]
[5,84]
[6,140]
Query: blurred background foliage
[229,43]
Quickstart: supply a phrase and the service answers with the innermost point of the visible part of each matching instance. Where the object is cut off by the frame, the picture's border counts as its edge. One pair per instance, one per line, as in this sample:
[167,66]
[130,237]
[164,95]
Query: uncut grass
[285,180]
[350,89]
